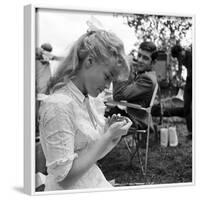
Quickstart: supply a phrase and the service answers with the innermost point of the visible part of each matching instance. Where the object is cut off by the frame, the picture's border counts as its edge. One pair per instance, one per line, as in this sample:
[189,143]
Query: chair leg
[131,148]
[132,157]
[147,146]
[127,145]
[143,164]
[140,161]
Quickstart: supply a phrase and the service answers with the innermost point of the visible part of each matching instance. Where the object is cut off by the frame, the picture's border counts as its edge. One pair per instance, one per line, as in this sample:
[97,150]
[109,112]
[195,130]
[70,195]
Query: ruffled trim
[60,168]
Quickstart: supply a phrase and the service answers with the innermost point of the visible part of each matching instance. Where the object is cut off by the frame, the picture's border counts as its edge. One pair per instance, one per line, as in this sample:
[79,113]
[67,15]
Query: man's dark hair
[176,50]
[150,47]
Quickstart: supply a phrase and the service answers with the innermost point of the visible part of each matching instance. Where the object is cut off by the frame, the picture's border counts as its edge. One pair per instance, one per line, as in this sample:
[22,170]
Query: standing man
[140,86]
[43,69]
[184,57]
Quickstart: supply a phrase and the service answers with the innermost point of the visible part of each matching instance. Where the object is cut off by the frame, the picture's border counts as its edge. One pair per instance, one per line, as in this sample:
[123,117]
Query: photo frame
[49,33]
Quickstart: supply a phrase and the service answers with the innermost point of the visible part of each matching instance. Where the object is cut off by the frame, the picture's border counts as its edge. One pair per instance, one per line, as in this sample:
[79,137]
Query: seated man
[140,86]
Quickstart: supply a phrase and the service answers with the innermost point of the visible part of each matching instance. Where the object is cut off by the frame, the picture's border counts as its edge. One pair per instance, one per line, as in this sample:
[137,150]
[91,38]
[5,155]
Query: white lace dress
[66,129]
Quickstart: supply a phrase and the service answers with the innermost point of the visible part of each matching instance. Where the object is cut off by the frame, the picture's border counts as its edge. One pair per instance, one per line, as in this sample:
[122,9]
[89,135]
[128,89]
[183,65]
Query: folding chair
[135,149]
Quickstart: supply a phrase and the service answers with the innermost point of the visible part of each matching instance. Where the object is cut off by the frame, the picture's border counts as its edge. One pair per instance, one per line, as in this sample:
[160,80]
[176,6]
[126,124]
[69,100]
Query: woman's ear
[89,62]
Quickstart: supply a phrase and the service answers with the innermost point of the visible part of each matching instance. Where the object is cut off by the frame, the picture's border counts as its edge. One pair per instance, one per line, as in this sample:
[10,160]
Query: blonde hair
[99,44]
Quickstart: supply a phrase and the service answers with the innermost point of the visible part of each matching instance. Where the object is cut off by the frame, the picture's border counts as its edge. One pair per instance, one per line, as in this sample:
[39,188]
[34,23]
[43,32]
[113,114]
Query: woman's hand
[111,120]
[115,128]
[118,126]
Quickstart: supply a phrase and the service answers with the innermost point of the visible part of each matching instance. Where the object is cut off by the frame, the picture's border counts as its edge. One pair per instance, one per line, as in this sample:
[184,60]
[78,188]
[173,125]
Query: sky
[62,28]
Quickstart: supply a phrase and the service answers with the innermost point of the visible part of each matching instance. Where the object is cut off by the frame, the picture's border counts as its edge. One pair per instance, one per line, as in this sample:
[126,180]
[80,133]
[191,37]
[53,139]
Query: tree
[164,31]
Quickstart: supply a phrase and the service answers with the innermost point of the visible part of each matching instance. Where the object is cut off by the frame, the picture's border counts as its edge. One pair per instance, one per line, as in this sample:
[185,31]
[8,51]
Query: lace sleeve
[57,139]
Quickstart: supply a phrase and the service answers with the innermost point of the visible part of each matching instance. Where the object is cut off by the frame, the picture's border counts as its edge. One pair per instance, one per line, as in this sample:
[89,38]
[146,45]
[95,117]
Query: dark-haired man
[184,57]
[140,86]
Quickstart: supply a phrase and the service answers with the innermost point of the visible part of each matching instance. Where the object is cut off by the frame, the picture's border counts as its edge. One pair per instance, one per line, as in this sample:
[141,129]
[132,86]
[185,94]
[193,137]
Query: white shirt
[66,129]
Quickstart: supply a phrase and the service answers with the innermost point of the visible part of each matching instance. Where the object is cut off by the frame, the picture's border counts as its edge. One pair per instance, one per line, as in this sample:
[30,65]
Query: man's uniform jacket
[137,90]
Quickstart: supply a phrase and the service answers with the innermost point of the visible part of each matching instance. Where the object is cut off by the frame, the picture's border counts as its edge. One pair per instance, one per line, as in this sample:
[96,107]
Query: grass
[165,164]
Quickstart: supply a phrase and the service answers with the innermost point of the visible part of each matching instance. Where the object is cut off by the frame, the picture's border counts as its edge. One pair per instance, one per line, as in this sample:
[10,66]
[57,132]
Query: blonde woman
[74,135]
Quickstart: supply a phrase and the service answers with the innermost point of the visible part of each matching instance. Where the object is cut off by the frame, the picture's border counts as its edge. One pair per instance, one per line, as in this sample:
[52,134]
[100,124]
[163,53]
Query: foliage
[164,31]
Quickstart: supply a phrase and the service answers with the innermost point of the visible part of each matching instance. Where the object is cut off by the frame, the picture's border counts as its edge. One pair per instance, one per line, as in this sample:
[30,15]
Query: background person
[184,57]
[140,86]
